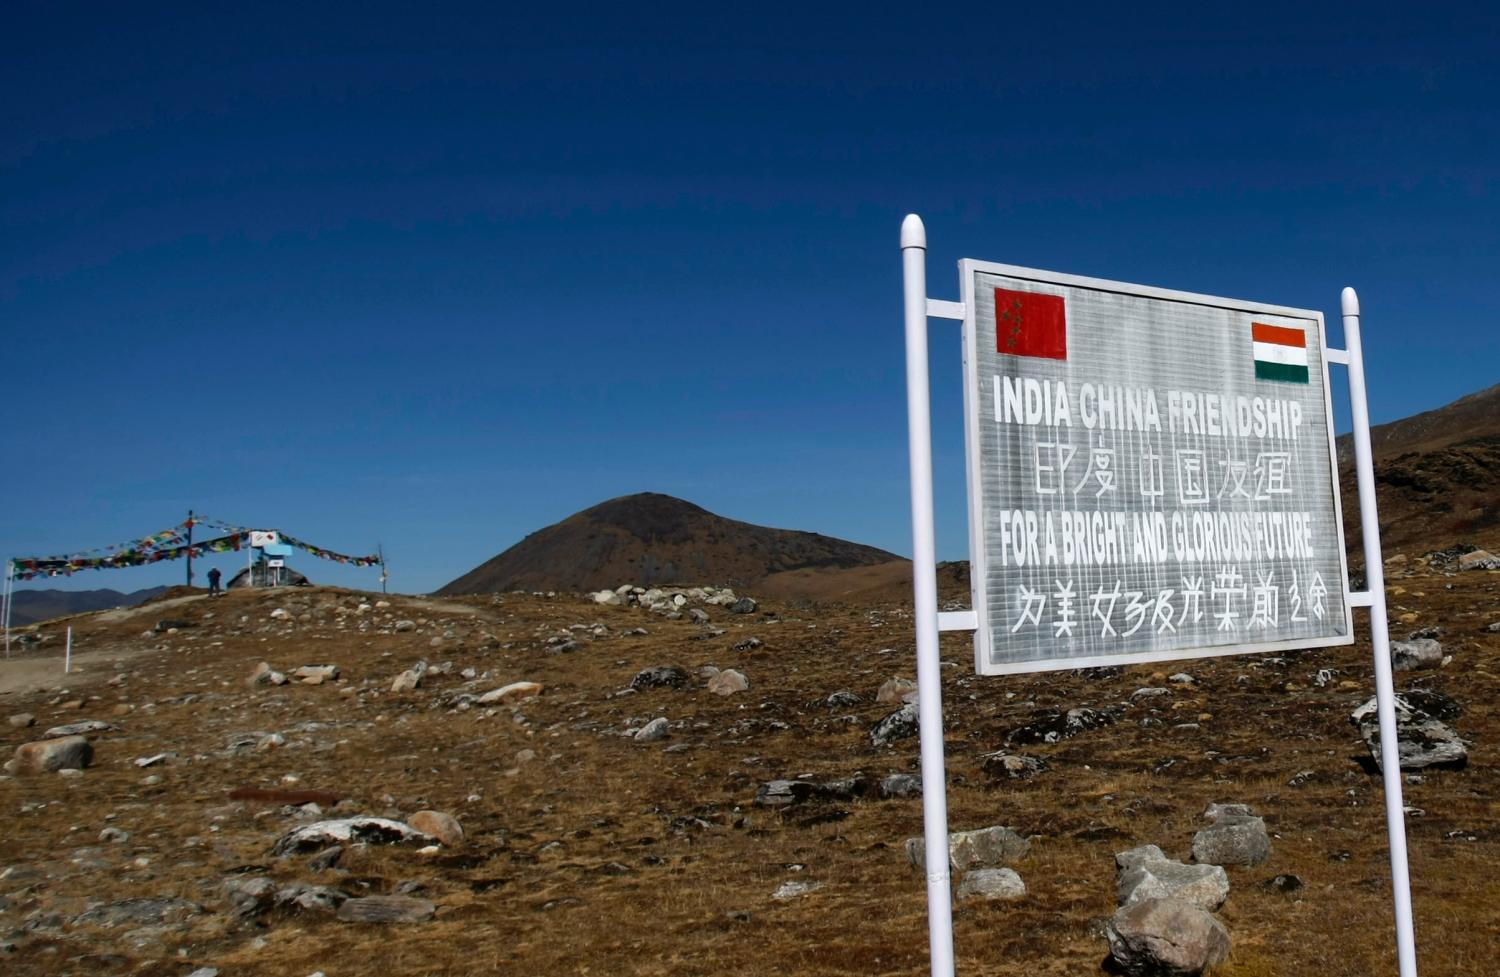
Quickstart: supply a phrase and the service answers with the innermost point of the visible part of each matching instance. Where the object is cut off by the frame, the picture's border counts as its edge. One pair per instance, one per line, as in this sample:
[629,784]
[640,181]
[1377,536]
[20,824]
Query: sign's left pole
[924,586]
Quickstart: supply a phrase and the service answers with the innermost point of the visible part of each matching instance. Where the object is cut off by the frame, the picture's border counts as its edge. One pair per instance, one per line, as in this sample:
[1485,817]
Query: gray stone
[992,883]
[654,731]
[1012,766]
[317,674]
[1479,560]
[1216,810]
[791,890]
[45,756]
[406,625]
[301,898]
[1204,886]
[728,682]
[744,605]
[896,690]
[205,972]
[139,912]
[659,677]
[697,615]
[993,847]
[1166,936]
[386,909]
[1414,654]
[22,719]
[901,785]
[78,729]
[1423,739]
[364,830]
[1132,857]
[1234,839]
[899,725]
[749,644]
[844,699]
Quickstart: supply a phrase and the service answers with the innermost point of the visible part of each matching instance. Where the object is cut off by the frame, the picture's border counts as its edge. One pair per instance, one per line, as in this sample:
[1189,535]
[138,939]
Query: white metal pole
[924,586]
[68,653]
[1385,694]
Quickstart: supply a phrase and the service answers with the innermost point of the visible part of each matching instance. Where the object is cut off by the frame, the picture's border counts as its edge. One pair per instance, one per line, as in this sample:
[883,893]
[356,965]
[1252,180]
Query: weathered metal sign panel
[1151,474]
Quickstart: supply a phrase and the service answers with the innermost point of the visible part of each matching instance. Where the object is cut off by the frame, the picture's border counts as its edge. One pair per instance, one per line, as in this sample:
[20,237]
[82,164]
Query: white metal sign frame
[978,570]
[917,308]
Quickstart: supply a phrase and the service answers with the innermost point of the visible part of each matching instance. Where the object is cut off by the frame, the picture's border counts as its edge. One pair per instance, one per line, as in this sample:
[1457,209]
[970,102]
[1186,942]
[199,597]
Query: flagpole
[190,548]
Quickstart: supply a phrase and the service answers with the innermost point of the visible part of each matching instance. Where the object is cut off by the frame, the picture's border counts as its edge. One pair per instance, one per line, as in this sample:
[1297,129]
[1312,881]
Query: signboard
[262,538]
[275,564]
[1151,474]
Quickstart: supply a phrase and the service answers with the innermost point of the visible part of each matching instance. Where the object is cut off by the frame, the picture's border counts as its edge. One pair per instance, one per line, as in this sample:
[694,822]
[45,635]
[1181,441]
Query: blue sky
[438,276]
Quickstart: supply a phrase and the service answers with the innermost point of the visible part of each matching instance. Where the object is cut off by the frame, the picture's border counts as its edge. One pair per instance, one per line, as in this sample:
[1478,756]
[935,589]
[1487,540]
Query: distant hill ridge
[32,606]
[650,538]
[1437,477]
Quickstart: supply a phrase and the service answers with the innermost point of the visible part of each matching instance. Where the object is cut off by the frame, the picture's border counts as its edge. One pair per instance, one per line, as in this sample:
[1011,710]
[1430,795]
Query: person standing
[213,582]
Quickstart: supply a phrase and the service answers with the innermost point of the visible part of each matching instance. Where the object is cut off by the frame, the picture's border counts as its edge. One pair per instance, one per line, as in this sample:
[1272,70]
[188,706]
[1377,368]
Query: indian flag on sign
[1280,353]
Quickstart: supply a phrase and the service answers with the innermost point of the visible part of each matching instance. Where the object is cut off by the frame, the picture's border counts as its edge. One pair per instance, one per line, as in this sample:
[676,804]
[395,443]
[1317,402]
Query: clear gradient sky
[436,276]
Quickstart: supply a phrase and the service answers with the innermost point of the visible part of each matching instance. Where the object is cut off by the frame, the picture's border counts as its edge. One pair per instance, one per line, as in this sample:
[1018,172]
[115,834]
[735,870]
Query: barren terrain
[587,852]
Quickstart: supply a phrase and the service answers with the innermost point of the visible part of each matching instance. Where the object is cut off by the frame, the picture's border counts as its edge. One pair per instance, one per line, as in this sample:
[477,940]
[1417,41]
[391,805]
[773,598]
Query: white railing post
[1380,639]
[924,585]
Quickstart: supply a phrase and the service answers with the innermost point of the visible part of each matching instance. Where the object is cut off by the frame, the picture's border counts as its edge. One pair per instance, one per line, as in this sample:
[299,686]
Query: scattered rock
[1054,727]
[844,699]
[386,909]
[901,785]
[1233,839]
[1479,560]
[264,674]
[1414,654]
[1132,857]
[22,719]
[1423,739]
[1204,886]
[45,756]
[79,729]
[317,674]
[993,847]
[791,890]
[785,793]
[899,725]
[405,625]
[608,597]
[751,643]
[896,690]
[410,679]
[444,827]
[1012,766]
[659,677]
[697,615]
[657,729]
[992,883]
[139,912]
[1166,936]
[1282,883]
[365,830]
[114,836]
[514,692]
[728,682]
[744,605]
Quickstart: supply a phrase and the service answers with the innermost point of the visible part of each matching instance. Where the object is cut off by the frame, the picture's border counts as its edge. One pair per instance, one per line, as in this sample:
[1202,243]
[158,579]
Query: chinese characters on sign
[1153,474]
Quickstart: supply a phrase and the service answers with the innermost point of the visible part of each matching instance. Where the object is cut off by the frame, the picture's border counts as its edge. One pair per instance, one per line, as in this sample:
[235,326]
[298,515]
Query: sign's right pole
[924,585]
[1385,694]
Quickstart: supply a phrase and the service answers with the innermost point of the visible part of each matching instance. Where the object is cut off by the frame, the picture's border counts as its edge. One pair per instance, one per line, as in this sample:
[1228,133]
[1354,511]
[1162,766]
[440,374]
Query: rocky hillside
[288,782]
[651,538]
[1437,478]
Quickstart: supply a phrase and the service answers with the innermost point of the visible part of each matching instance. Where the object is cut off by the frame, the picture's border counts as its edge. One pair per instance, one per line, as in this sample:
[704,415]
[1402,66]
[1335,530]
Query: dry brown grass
[587,860]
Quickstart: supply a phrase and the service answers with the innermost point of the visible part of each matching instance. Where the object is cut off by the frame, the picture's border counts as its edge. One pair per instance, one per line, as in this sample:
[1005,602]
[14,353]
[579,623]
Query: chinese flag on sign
[1030,324]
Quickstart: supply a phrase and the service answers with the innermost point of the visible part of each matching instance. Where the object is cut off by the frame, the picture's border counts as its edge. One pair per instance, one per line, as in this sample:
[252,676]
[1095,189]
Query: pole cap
[913,234]
[1350,301]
